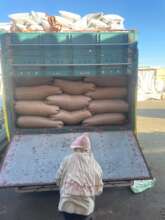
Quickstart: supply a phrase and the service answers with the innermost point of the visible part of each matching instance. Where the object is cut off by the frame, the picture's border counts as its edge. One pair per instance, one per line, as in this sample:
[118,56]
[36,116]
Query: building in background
[160,78]
[151,83]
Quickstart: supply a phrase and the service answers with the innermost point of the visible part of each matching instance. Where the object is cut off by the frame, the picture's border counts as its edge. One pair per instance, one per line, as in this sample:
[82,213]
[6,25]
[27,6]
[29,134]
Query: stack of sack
[29,22]
[91,22]
[56,102]
[73,103]
[65,21]
[30,107]
[42,105]
[108,105]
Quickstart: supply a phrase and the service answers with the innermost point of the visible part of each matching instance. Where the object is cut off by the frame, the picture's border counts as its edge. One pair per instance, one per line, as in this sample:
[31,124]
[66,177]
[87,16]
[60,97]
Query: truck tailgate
[33,159]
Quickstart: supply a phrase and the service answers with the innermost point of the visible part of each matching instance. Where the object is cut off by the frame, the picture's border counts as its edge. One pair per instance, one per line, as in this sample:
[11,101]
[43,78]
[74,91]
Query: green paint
[68,48]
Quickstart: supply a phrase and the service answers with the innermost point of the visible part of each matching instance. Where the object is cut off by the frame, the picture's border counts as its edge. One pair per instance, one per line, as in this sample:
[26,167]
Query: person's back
[80,180]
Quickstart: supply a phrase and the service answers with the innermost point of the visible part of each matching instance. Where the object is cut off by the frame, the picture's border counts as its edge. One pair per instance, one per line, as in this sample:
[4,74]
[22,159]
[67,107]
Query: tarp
[148,86]
[142,185]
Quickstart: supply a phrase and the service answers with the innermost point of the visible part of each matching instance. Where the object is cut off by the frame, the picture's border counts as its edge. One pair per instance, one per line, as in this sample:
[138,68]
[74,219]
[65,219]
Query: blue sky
[147,16]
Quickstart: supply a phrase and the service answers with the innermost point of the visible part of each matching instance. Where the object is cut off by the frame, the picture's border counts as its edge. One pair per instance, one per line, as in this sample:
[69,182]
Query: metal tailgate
[33,159]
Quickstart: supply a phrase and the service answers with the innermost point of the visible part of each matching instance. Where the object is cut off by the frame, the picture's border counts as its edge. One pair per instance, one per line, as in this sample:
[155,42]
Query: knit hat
[82,142]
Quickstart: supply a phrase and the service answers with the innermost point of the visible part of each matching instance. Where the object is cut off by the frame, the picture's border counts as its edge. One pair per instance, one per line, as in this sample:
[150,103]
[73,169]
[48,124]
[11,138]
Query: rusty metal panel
[34,159]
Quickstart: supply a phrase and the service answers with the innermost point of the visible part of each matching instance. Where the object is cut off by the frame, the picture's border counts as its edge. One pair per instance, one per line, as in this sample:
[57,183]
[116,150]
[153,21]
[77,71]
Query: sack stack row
[45,103]
[63,22]
[108,105]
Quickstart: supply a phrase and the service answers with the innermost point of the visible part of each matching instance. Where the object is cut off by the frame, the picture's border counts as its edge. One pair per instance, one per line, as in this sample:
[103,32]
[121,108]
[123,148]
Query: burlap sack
[103,81]
[33,81]
[74,87]
[35,108]
[105,119]
[108,93]
[37,122]
[69,102]
[71,118]
[36,92]
[105,106]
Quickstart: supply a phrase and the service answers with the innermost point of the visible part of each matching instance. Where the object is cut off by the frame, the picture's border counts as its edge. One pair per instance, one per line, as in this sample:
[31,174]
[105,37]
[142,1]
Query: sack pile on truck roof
[65,21]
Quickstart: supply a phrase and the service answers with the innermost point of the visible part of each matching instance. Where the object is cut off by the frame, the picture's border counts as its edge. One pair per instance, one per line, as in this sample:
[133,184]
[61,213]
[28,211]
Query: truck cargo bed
[33,159]
[34,155]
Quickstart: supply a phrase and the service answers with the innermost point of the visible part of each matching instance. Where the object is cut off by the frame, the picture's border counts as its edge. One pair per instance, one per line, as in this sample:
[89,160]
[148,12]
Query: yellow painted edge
[5,117]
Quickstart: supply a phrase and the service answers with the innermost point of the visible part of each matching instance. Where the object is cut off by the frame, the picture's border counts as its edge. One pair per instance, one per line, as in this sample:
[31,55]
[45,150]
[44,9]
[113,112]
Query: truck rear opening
[34,153]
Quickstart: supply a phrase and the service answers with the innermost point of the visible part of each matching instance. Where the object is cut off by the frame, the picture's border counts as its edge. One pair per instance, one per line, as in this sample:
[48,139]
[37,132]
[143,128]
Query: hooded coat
[80,179]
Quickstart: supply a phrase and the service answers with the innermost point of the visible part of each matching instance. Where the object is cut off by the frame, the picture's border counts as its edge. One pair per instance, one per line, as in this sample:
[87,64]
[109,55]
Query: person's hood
[82,142]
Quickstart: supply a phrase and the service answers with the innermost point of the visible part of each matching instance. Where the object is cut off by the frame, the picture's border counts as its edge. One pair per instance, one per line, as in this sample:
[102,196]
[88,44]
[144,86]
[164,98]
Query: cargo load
[65,21]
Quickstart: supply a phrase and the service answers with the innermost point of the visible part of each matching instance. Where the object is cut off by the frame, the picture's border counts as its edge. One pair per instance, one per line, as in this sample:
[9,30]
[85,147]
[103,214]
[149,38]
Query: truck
[33,155]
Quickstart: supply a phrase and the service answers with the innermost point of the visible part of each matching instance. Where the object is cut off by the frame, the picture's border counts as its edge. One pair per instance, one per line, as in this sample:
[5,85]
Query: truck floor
[113,204]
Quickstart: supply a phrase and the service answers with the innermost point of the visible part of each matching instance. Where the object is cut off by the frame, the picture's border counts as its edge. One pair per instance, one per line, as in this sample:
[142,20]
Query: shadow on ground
[153,142]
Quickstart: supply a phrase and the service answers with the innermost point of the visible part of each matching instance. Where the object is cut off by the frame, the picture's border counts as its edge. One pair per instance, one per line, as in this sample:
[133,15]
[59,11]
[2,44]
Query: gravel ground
[113,204]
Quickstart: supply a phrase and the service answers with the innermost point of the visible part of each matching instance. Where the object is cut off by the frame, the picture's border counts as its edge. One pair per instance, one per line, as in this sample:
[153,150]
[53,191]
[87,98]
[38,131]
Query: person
[80,180]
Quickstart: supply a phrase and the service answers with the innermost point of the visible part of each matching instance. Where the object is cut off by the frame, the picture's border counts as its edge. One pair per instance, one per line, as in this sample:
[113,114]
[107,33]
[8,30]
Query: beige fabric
[36,92]
[35,108]
[38,122]
[80,205]
[105,119]
[80,179]
[107,106]
[71,118]
[69,102]
[74,87]
[108,93]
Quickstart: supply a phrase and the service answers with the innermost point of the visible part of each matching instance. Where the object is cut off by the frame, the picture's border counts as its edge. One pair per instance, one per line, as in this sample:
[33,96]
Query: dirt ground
[113,204]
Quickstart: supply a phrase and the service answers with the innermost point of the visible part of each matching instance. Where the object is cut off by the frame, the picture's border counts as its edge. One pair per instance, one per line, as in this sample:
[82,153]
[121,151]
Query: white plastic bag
[88,21]
[45,24]
[4,26]
[112,17]
[116,22]
[64,22]
[97,24]
[20,27]
[69,15]
[97,15]
[36,15]
[20,18]
[116,26]
[82,24]
[35,27]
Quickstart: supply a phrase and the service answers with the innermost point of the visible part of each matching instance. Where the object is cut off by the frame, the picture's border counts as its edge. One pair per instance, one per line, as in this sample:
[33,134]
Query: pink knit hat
[82,142]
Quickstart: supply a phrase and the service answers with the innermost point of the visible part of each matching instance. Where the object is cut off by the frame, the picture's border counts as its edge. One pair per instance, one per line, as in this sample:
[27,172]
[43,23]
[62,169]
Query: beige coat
[80,179]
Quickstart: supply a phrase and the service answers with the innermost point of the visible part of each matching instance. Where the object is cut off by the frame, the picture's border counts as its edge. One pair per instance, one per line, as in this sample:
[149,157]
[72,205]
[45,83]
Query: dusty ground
[114,204]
